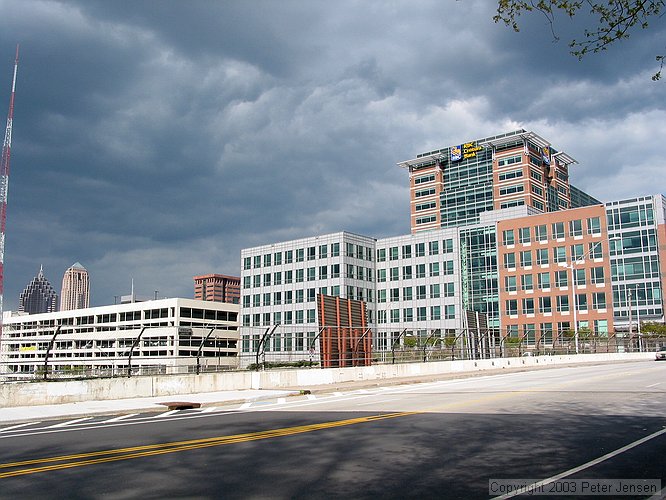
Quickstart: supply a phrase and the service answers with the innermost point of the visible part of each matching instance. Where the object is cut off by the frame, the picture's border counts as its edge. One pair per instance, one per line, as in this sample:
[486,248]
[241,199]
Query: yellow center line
[83,459]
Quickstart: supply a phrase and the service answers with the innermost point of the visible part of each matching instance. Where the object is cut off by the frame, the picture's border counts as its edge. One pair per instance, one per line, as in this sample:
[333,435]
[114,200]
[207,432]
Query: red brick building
[547,263]
[217,288]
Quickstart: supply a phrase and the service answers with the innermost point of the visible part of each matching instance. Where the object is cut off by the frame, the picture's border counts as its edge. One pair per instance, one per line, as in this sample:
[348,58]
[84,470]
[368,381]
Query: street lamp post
[358,342]
[394,343]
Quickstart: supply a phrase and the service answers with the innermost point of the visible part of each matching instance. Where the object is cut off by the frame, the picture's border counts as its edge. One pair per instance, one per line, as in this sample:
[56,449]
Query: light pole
[358,342]
[395,342]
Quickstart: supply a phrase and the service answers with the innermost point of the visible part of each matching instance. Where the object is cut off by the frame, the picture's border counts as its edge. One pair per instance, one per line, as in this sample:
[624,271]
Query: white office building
[163,336]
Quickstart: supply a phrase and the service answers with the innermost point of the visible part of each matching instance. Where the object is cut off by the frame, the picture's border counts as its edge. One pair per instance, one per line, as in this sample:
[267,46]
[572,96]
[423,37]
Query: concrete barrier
[56,392]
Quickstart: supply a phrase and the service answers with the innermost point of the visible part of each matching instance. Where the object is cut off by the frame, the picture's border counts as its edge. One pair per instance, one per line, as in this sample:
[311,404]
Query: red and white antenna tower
[4,184]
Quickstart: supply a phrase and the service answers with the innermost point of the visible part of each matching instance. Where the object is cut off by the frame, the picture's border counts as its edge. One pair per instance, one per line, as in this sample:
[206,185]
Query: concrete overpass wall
[56,392]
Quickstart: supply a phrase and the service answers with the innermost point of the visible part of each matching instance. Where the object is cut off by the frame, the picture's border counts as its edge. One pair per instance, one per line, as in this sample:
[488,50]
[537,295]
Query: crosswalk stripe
[17,426]
[117,419]
[165,414]
[69,422]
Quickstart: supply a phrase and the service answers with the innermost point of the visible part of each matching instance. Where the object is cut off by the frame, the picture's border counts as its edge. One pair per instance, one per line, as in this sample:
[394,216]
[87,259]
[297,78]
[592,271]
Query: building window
[594,250]
[449,312]
[524,235]
[420,270]
[526,282]
[513,189]
[288,256]
[544,280]
[576,227]
[508,237]
[435,313]
[559,254]
[541,233]
[581,300]
[407,293]
[562,303]
[510,260]
[395,294]
[449,289]
[557,230]
[393,253]
[528,306]
[420,249]
[542,256]
[526,258]
[434,269]
[545,305]
[580,276]
[395,276]
[561,279]
[593,225]
[421,292]
[434,291]
[300,255]
[577,252]
[433,247]
[407,251]
[511,307]
[420,314]
[510,283]
[597,275]
[599,300]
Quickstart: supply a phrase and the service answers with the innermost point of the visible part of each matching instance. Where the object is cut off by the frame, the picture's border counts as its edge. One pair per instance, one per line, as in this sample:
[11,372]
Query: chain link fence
[388,348]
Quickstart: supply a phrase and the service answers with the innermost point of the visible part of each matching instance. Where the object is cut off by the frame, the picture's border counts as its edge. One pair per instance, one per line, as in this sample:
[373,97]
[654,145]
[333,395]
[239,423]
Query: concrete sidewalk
[134,405]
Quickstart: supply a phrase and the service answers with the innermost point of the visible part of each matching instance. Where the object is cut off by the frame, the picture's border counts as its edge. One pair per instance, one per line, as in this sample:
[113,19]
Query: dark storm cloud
[155,139]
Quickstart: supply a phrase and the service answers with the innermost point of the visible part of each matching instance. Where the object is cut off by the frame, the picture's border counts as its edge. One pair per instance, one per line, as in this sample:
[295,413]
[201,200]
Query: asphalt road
[442,439]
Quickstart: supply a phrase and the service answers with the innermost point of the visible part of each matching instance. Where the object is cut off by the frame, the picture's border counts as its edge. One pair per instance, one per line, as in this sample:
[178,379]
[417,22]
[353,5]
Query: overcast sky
[154,140]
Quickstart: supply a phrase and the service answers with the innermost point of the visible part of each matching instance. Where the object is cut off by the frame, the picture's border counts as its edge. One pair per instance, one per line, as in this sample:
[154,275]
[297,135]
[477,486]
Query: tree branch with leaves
[616,19]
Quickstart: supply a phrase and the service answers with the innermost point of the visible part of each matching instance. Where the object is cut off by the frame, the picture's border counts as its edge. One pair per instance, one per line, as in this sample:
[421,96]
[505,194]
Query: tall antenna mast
[4,183]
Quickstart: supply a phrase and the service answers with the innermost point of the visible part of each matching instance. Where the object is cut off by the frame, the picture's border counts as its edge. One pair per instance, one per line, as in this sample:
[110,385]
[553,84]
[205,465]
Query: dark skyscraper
[39,296]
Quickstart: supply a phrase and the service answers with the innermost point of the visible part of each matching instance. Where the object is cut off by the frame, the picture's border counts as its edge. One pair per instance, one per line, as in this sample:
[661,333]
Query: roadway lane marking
[17,426]
[165,414]
[69,422]
[245,405]
[281,401]
[310,397]
[103,456]
[337,394]
[209,409]
[118,419]
[587,465]
[653,385]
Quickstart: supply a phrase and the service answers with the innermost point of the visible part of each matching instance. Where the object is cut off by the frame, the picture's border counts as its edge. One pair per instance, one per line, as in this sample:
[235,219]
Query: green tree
[616,19]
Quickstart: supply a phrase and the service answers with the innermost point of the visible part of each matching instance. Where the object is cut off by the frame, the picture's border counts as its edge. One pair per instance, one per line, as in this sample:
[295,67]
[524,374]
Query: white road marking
[653,385]
[338,394]
[587,465]
[17,426]
[245,405]
[118,419]
[311,397]
[282,401]
[209,409]
[165,414]
[69,422]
